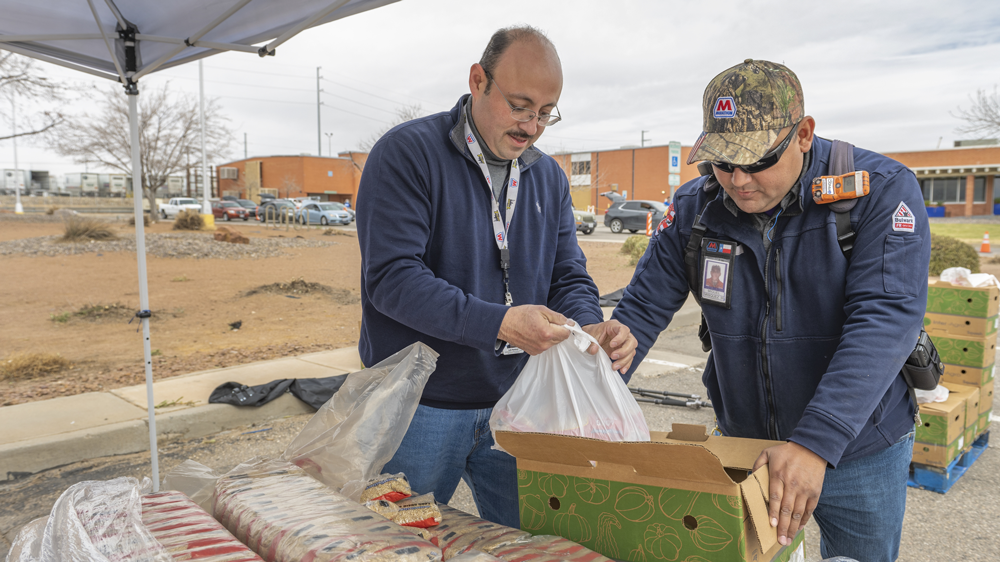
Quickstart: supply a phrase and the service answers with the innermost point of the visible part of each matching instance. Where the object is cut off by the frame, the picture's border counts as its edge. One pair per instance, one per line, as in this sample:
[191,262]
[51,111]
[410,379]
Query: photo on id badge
[716,278]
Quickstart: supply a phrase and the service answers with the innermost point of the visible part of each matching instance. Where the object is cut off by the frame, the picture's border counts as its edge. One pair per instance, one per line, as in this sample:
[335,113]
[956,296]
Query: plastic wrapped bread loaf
[284,515]
[460,532]
[546,549]
[188,532]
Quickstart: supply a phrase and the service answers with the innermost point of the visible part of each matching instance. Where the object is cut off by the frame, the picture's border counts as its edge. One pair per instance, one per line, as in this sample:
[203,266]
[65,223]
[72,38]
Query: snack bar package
[188,532]
[284,515]
[419,511]
[390,487]
[460,532]
[546,549]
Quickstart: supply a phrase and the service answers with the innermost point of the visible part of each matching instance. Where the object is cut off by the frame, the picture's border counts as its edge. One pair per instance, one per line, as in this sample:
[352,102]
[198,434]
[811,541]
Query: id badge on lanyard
[500,229]
[717,261]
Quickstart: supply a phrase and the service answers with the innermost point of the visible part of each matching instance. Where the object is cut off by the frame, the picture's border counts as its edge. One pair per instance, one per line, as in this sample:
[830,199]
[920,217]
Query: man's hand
[796,483]
[617,341]
[533,328]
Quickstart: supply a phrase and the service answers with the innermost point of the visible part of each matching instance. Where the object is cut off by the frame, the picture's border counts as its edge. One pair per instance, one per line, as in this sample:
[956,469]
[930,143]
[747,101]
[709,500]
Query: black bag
[923,368]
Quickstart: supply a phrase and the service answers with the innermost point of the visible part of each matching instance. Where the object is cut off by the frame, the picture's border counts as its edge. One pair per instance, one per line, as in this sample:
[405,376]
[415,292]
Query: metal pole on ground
[206,207]
[140,254]
[18,209]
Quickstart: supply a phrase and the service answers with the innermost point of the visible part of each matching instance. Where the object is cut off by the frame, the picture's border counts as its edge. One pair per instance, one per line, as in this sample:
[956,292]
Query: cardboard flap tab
[688,432]
[755,493]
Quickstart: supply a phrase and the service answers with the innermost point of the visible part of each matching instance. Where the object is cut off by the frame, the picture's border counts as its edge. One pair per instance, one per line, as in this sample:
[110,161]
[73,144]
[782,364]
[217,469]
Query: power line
[304,103]
[359,103]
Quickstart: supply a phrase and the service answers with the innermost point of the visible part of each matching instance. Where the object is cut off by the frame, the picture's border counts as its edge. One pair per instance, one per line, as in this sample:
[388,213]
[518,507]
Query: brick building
[328,178]
[964,178]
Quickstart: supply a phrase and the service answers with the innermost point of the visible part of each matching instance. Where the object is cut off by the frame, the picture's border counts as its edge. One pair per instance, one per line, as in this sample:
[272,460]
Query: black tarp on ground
[611,299]
[314,392]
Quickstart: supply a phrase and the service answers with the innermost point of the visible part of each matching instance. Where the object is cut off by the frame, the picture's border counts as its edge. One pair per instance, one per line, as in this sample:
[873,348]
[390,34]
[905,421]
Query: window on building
[952,190]
[979,190]
[581,168]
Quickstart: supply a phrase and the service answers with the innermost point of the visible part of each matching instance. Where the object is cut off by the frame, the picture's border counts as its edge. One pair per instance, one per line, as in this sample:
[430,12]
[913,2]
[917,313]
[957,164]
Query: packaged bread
[544,548]
[188,532]
[460,532]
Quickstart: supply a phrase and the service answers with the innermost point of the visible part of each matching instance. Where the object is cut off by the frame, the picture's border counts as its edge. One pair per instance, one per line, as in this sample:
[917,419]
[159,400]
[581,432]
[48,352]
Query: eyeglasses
[523,114]
[768,160]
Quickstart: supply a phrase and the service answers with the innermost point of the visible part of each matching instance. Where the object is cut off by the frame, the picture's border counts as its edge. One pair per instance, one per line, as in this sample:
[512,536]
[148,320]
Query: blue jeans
[443,446]
[860,511]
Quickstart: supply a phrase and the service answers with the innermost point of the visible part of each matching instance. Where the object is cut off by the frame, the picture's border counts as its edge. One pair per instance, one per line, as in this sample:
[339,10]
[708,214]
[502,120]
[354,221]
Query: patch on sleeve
[902,219]
[667,220]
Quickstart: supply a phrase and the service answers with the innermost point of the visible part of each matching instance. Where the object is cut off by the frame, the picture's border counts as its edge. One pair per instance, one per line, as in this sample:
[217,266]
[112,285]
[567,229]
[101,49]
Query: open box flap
[732,452]
[674,460]
[754,490]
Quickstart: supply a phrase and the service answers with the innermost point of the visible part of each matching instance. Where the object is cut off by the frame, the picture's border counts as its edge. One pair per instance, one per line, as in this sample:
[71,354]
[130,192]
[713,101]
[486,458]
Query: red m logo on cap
[724,108]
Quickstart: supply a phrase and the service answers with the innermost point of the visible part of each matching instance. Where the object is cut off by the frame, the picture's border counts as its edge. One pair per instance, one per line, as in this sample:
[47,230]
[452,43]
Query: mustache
[519,134]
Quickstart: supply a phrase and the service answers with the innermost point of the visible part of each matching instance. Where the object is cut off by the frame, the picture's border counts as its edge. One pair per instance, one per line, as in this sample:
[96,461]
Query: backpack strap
[691,254]
[842,162]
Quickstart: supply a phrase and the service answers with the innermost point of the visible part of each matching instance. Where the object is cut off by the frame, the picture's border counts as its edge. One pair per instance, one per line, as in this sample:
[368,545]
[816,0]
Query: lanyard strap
[500,230]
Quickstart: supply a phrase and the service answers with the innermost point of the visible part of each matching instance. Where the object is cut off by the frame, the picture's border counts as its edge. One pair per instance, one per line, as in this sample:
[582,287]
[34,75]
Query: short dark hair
[504,38]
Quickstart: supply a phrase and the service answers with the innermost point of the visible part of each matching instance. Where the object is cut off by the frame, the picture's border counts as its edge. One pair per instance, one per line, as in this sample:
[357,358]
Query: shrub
[51,210]
[635,247]
[188,219]
[30,365]
[145,220]
[78,229]
[951,252]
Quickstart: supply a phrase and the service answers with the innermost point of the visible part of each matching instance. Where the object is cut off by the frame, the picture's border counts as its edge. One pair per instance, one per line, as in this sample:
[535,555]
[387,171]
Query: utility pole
[18,209]
[206,205]
[245,146]
[644,139]
[329,149]
[319,127]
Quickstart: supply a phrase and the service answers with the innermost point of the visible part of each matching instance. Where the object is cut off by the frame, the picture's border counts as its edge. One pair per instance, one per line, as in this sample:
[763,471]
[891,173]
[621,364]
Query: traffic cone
[985,247]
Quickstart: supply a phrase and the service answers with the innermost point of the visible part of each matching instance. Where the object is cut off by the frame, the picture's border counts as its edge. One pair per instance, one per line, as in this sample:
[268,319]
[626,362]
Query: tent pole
[206,180]
[140,253]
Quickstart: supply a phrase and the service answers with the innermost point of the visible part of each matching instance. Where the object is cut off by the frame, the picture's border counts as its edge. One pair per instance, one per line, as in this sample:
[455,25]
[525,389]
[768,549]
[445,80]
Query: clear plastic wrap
[566,390]
[284,515]
[350,439]
[93,521]
[391,487]
[194,480]
[475,556]
[460,532]
[188,532]
[419,511]
[544,548]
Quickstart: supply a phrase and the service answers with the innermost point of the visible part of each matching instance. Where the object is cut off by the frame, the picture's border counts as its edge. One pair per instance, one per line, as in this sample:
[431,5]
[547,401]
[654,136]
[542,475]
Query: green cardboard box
[972,376]
[945,298]
[971,352]
[971,433]
[986,397]
[970,394]
[942,423]
[938,455]
[951,325]
[683,496]
[984,421]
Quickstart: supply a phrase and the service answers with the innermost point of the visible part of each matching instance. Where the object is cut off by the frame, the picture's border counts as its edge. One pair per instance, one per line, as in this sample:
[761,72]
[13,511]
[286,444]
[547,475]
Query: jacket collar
[527,158]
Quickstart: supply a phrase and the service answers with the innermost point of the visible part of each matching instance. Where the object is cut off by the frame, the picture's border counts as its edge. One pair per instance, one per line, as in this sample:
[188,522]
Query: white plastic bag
[939,394]
[569,391]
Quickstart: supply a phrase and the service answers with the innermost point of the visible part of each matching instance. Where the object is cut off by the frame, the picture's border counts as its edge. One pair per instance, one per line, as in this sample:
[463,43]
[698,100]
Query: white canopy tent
[124,43]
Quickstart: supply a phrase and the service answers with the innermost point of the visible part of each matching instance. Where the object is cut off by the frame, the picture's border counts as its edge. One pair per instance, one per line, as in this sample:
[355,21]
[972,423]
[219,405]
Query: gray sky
[883,75]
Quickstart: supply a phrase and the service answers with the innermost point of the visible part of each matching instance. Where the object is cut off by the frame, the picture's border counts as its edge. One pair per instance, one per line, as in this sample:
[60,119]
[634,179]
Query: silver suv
[631,215]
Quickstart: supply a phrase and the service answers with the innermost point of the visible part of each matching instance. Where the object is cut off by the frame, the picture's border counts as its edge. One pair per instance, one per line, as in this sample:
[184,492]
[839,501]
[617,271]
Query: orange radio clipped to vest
[827,189]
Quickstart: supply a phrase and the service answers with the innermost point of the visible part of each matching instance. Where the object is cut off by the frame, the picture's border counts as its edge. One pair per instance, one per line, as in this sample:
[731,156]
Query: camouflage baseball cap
[745,107]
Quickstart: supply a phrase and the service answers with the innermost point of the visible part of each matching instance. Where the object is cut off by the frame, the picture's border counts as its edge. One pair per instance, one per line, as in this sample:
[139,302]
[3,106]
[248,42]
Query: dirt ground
[194,301]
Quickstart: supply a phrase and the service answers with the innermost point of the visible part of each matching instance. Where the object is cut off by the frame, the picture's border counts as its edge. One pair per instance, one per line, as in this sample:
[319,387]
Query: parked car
[341,207]
[299,201]
[321,212]
[230,198]
[229,210]
[266,196]
[276,210]
[585,222]
[175,205]
[631,215]
[249,205]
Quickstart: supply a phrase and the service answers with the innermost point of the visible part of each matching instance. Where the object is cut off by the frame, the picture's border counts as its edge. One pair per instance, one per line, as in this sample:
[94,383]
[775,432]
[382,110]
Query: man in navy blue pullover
[468,244]
[808,337]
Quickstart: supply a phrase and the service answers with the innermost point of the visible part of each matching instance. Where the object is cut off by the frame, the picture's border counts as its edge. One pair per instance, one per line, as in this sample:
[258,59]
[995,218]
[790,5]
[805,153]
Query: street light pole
[329,140]
[18,209]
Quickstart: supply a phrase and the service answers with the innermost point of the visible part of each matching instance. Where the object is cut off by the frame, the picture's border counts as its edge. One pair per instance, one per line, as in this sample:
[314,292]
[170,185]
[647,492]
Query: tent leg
[140,253]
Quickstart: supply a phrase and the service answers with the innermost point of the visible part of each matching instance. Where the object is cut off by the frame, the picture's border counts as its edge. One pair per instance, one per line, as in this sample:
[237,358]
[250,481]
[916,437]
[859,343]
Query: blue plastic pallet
[941,480]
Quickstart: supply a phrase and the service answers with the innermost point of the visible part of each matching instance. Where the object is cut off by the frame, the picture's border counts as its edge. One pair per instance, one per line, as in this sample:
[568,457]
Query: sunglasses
[768,160]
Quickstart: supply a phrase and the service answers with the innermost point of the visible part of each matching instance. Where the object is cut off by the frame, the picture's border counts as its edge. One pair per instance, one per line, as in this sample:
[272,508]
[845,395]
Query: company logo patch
[726,248]
[469,138]
[902,219]
[712,247]
[500,237]
[725,108]
[667,220]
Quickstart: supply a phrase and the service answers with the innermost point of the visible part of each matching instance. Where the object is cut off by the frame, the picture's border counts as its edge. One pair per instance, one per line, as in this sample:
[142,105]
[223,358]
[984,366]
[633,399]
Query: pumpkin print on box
[555,485]
[572,526]
[635,504]
[532,512]
[662,542]
[606,542]
[675,503]
[524,478]
[708,535]
[594,492]
[730,505]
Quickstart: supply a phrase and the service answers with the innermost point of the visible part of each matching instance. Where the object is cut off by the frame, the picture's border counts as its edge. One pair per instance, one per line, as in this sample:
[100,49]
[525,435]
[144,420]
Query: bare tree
[403,114]
[22,79]
[983,116]
[169,130]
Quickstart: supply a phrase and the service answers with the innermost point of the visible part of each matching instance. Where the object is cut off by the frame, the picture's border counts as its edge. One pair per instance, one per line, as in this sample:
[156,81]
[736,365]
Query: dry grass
[79,229]
[51,210]
[188,219]
[145,220]
[22,366]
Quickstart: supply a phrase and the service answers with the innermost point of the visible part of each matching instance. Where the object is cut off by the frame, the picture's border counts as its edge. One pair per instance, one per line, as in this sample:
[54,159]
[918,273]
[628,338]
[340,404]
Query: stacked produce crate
[962,322]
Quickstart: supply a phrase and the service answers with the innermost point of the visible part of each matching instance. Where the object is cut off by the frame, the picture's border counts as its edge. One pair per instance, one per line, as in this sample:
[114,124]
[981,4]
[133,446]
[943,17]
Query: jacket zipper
[772,425]
[777,297]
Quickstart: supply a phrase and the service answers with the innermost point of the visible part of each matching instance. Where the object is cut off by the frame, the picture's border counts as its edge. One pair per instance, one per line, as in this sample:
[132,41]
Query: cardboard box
[984,421]
[938,455]
[950,325]
[941,423]
[684,496]
[986,397]
[971,433]
[971,352]
[970,394]
[972,376]
[945,298]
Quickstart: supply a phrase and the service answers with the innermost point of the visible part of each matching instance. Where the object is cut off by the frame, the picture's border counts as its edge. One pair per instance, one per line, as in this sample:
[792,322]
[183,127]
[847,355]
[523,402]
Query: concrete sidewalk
[46,434]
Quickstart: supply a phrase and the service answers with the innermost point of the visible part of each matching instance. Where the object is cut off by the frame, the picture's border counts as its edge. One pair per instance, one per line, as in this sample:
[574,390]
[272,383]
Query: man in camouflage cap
[819,308]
